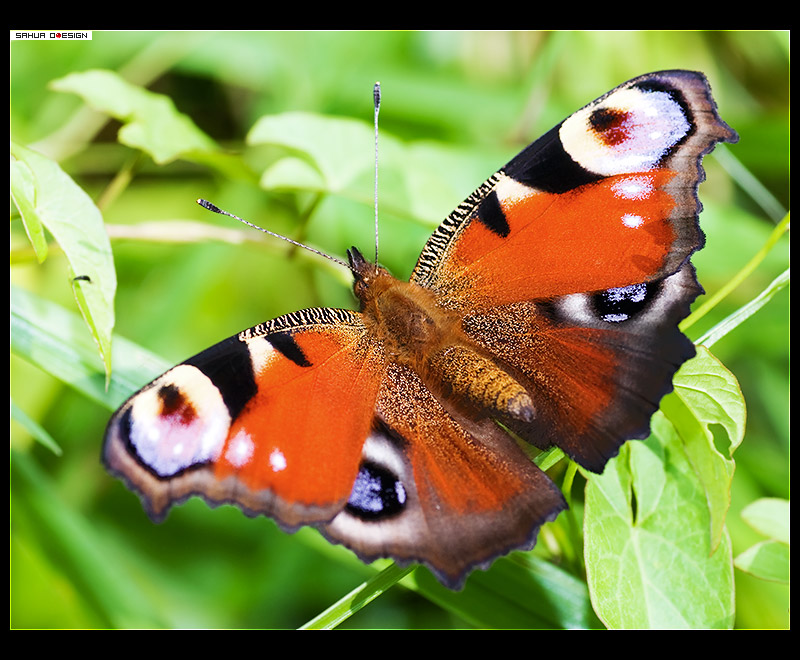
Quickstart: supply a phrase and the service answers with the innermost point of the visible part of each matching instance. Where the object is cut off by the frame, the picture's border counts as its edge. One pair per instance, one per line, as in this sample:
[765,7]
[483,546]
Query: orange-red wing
[273,419]
[467,492]
[595,371]
[608,198]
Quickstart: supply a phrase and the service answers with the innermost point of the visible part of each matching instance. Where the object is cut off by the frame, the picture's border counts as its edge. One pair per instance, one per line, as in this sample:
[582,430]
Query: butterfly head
[369,278]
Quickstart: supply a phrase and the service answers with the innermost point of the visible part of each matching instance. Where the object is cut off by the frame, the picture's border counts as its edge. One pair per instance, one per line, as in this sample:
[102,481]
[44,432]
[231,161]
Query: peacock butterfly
[546,307]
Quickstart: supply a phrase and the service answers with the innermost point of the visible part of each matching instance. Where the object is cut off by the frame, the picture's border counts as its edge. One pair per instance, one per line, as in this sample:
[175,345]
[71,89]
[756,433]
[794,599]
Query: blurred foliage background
[83,554]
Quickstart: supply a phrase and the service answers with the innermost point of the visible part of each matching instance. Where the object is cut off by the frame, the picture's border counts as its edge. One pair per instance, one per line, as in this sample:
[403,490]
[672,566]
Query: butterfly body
[414,331]
[545,305]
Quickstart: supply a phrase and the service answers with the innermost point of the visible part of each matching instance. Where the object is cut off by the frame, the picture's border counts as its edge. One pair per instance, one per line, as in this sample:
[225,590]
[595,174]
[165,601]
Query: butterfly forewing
[589,206]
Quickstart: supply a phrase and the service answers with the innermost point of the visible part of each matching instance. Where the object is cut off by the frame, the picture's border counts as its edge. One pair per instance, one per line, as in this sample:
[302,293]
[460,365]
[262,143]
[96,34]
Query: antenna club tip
[376,94]
[208,205]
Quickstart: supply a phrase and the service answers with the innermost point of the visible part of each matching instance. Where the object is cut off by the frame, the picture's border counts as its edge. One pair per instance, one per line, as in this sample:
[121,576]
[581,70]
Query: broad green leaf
[151,121]
[338,155]
[23,192]
[417,180]
[769,516]
[339,148]
[54,339]
[648,551]
[768,560]
[292,174]
[707,407]
[58,203]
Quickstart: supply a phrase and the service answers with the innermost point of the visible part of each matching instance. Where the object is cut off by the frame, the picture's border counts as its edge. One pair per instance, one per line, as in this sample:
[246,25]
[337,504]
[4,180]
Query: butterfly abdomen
[480,382]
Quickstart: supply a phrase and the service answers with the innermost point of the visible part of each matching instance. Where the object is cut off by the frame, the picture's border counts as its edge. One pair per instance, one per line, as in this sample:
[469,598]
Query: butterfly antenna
[211,207]
[376,97]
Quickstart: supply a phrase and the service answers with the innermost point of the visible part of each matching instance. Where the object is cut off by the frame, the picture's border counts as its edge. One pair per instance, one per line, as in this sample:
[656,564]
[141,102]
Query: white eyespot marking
[240,449]
[628,131]
[400,491]
[180,421]
[634,187]
[510,191]
[576,306]
[632,220]
[383,453]
[262,354]
[277,461]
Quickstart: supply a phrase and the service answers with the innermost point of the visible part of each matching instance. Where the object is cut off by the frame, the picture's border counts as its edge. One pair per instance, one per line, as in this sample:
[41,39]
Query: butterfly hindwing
[468,492]
[596,365]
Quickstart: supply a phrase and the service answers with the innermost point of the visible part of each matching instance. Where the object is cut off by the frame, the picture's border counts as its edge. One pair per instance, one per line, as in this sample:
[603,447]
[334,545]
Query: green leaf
[418,180]
[707,407]
[54,339]
[651,559]
[23,192]
[362,595]
[768,560]
[45,194]
[519,591]
[293,174]
[34,429]
[338,148]
[152,123]
[769,516]
[81,549]
[336,156]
